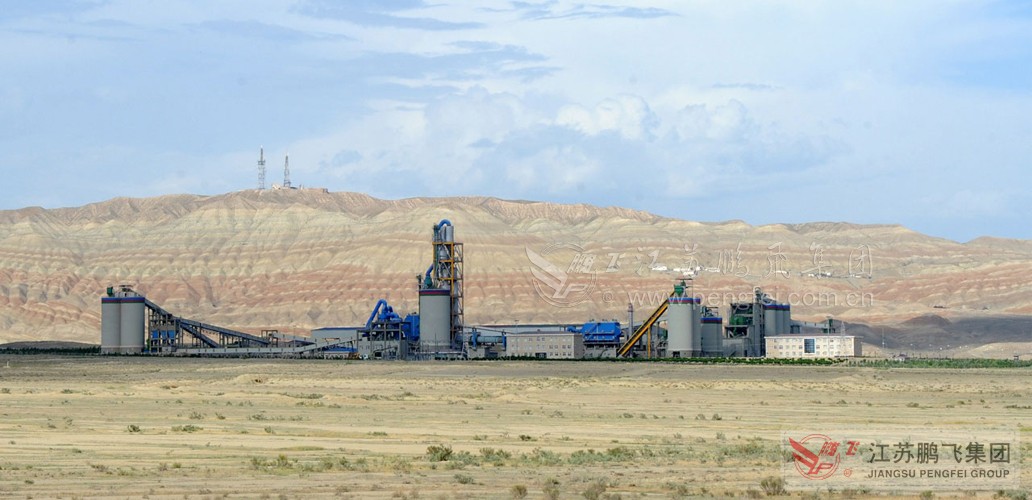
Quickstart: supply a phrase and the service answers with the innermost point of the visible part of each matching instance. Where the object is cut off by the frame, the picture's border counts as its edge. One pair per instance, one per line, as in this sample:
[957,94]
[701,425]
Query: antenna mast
[261,168]
[286,171]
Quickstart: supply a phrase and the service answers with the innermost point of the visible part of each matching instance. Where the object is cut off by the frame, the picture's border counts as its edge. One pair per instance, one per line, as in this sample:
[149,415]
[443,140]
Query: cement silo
[434,320]
[771,319]
[131,324]
[712,330]
[110,324]
[683,340]
[696,327]
[786,319]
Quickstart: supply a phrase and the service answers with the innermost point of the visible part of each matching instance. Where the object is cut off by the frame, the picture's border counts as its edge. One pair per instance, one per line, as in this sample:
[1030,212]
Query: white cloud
[725,122]
[628,115]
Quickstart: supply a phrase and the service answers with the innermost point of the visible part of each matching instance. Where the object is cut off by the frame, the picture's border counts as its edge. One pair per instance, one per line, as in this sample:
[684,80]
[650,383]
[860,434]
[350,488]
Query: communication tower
[286,172]
[261,168]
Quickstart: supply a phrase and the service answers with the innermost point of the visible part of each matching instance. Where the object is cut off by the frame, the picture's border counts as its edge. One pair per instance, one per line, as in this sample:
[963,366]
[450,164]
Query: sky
[916,113]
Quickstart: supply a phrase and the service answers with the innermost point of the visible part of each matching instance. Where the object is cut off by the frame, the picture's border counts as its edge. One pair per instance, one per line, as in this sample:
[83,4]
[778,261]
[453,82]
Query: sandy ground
[204,428]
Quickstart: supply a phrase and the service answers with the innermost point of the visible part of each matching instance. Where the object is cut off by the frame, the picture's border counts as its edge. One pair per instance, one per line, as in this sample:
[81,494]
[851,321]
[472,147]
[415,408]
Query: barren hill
[300,259]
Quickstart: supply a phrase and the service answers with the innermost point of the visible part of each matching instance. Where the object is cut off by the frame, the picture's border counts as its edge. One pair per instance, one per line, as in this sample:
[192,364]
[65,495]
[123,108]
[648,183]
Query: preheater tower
[440,295]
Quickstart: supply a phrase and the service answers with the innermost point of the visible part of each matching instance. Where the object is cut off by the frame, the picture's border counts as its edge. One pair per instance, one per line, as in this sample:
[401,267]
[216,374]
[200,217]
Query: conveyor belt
[626,348]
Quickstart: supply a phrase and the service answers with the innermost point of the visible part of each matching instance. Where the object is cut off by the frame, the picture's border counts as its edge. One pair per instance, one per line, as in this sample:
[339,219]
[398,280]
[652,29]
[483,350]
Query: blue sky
[917,112]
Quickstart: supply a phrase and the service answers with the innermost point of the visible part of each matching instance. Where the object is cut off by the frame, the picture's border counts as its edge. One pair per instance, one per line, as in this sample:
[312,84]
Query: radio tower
[261,168]
[286,172]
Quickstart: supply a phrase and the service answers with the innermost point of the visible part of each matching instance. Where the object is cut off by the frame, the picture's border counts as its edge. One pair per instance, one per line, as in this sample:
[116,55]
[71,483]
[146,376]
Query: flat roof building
[545,345]
[813,346]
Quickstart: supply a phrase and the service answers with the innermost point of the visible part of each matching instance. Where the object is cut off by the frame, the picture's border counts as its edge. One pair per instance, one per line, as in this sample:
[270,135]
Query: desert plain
[140,427]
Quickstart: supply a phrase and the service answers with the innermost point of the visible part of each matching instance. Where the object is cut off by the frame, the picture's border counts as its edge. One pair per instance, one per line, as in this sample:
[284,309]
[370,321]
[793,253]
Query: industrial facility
[681,327]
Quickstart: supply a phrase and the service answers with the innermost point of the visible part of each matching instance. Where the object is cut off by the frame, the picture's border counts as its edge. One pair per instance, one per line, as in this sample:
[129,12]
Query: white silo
[132,328]
[434,320]
[110,324]
[771,320]
[712,336]
[682,316]
[696,327]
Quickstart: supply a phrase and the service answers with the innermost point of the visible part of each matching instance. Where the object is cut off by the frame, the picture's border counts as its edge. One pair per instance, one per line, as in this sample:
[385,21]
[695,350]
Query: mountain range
[299,259]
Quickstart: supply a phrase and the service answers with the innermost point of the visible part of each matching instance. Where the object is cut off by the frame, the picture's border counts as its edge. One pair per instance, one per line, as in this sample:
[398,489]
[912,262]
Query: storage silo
[132,328]
[712,336]
[786,319]
[771,319]
[110,324]
[696,327]
[682,316]
[434,320]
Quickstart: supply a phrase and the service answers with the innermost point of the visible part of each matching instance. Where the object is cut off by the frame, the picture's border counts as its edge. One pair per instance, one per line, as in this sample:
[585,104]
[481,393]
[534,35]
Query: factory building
[813,346]
[755,320]
[545,345]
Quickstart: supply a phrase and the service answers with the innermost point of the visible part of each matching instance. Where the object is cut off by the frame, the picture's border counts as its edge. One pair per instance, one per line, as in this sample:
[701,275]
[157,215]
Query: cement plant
[132,324]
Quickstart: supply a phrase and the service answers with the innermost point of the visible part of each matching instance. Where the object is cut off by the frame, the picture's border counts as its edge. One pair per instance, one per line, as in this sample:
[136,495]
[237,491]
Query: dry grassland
[205,428]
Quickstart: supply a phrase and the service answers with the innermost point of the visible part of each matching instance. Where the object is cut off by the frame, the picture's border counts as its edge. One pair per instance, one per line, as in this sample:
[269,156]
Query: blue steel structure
[383,332]
[598,333]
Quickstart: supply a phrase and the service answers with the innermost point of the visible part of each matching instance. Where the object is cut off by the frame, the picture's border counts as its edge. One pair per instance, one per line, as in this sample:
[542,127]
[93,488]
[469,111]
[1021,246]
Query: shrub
[133,428]
[283,461]
[493,455]
[551,489]
[518,491]
[438,453]
[1011,495]
[620,453]
[463,478]
[773,486]
[594,491]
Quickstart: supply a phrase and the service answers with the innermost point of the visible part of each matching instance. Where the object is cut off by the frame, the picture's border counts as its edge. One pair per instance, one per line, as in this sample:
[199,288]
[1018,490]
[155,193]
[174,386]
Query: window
[808,346]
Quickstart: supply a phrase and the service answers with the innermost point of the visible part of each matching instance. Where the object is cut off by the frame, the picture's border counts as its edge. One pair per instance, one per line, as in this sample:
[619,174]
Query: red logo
[816,456]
